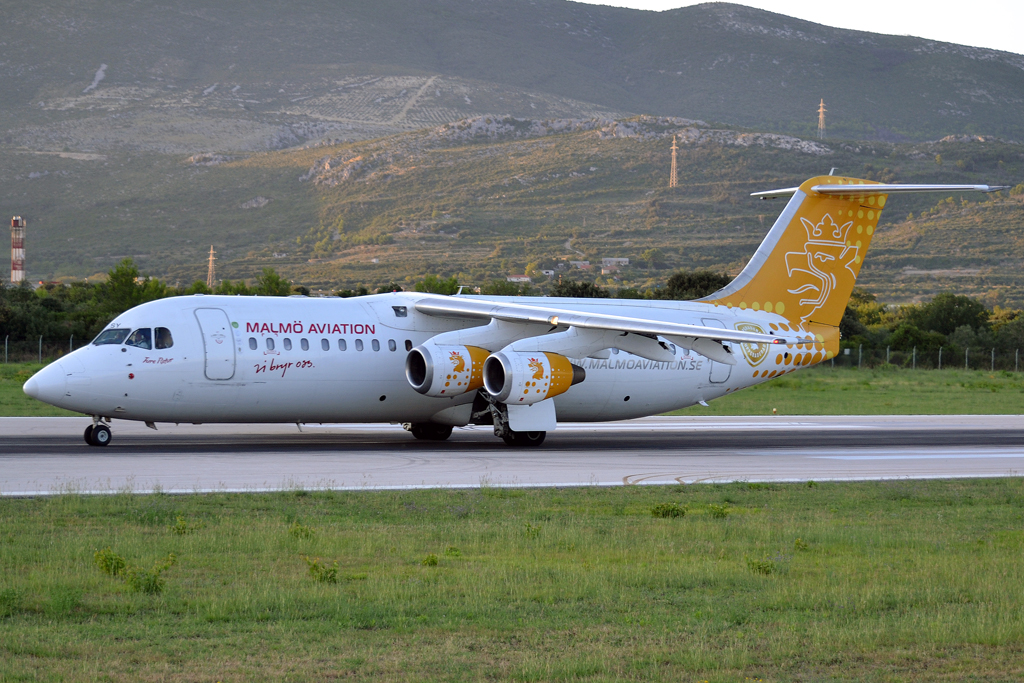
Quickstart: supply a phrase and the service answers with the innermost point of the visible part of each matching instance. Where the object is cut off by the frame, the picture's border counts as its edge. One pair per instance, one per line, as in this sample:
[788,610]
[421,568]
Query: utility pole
[210,270]
[821,120]
[673,180]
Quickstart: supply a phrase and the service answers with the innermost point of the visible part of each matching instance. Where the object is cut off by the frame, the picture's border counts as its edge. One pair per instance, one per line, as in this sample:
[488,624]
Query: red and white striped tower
[17,250]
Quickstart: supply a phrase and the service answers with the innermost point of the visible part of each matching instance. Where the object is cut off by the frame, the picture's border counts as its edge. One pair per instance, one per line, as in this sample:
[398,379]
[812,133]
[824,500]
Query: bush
[182,527]
[668,510]
[322,572]
[149,581]
[110,562]
[763,566]
[718,511]
[429,561]
[452,551]
[301,531]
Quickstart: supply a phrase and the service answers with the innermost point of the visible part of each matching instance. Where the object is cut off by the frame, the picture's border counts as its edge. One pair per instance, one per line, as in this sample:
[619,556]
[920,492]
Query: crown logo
[827,231]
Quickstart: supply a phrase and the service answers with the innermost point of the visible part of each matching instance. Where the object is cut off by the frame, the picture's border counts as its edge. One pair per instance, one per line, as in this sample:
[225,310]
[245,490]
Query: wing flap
[562,318]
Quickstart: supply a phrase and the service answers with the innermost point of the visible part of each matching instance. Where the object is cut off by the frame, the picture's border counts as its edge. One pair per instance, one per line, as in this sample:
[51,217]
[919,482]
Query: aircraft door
[218,343]
[719,371]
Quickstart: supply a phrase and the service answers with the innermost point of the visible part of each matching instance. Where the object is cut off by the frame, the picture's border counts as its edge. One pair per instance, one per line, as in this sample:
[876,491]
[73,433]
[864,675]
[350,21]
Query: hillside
[230,76]
[486,197]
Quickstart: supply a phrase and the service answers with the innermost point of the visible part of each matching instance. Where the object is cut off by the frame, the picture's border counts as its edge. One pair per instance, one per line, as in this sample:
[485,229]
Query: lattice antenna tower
[17,250]
[673,180]
[821,120]
[210,271]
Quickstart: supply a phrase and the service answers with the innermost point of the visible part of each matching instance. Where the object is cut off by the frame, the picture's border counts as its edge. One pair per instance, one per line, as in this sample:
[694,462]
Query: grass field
[14,402]
[888,581]
[880,391]
[815,391]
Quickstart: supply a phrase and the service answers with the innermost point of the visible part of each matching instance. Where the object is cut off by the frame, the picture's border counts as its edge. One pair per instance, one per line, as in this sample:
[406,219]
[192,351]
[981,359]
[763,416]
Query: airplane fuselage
[298,359]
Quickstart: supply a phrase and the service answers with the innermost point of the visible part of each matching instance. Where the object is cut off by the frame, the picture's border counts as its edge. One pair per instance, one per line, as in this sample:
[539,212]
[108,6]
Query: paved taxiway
[48,455]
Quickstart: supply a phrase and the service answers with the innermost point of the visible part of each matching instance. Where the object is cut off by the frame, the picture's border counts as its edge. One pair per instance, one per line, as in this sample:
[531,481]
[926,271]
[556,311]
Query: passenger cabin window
[376,345]
[359,344]
[408,345]
[163,338]
[392,345]
[142,338]
[270,344]
[252,343]
[287,344]
[325,345]
[342,346]
[304,343]
[111,337]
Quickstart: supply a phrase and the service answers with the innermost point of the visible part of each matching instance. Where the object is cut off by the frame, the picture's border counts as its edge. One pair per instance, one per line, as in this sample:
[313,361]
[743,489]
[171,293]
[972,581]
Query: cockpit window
[111,337]
[164,340]
[142,338]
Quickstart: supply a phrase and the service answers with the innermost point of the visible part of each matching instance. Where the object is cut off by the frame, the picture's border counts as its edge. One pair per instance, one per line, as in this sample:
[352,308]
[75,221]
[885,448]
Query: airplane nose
[47,385]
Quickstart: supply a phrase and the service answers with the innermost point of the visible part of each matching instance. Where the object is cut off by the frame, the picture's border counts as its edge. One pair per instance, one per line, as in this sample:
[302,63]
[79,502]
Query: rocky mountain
[183,76]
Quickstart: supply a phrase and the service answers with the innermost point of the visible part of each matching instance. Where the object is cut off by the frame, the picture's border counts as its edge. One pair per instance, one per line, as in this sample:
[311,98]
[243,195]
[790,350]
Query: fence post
[940,358]
[860,354]
[1016,359]
[993,359]
[40,349]
[71,344]
[967,353]
[914,360]
[5,348]
[886,355]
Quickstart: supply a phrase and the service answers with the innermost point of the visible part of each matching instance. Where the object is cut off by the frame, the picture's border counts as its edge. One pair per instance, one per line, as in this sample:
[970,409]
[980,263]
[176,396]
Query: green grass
[908,580]
[880,391]
[14,402]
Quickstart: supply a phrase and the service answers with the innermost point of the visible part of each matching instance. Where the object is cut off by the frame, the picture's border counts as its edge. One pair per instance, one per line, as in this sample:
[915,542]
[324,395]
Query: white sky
[996,24]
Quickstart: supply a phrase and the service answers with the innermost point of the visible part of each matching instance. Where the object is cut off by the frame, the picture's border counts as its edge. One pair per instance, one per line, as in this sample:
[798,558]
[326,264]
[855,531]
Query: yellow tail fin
[807,264]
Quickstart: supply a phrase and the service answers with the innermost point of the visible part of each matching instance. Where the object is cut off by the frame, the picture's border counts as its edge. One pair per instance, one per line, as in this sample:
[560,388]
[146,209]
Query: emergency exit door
[218,343]
[719,371]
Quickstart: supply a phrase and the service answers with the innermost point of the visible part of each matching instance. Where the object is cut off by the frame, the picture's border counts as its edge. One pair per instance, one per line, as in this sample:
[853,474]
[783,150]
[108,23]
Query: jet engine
[445,370]
[518,378]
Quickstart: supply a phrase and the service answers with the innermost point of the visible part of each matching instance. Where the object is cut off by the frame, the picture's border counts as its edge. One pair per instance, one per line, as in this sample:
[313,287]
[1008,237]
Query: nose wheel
[98,435]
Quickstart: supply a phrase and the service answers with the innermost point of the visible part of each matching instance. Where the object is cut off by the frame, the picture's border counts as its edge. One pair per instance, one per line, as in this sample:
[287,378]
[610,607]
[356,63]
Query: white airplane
[436,362]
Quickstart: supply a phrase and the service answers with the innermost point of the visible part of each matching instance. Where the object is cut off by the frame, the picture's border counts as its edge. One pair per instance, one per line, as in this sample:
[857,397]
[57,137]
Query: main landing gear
[428,431]
[524,439]
[98,434]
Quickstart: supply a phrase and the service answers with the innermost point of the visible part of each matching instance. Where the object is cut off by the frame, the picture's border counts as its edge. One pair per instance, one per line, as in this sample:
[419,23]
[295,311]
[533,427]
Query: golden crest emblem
[754,353]
[537,367]
[457,361]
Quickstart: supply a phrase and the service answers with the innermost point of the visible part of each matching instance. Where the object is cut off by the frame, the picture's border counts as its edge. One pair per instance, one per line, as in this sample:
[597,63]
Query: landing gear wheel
[426,431]
[88,434]
[524,439]
[101,435]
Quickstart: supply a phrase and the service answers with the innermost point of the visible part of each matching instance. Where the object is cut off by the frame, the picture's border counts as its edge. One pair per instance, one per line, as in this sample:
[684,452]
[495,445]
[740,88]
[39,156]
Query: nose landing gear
[98,434]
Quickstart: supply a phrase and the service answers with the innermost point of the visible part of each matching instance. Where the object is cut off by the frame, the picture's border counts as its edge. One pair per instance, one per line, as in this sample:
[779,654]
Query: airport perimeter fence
[40,349]
[946,357]
[941,358]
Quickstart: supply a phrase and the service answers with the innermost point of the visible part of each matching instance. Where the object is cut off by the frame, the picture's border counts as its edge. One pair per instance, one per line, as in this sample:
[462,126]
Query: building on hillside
[548,273]
[519,278]
[614,262]
[582,265]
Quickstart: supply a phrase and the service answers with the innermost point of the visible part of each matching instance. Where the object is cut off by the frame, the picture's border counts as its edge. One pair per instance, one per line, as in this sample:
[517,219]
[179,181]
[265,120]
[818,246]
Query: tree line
[81,309]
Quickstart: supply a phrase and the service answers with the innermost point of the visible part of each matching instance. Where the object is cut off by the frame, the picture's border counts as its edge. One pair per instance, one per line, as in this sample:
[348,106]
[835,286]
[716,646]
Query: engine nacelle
[523,378]
[445,370]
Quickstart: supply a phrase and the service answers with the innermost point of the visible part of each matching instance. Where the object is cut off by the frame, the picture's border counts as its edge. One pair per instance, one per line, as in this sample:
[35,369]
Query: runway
[48,455]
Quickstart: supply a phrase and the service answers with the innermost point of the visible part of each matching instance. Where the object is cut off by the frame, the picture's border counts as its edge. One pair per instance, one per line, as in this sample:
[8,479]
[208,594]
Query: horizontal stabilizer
[846,190]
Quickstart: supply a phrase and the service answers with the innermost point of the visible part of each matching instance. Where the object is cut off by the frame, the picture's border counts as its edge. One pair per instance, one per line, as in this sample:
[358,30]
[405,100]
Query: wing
[581,332]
